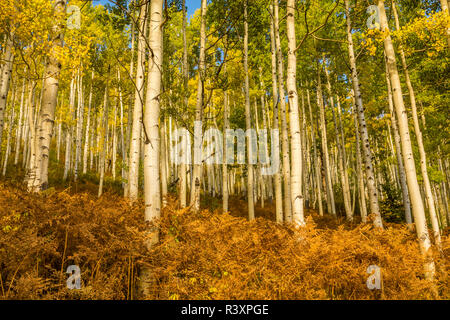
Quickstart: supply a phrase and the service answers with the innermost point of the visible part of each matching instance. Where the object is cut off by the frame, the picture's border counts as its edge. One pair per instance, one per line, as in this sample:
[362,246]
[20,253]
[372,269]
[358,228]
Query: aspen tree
[152,189]
[50,87]
[367,153]
[331,206]
[284,130]
[135,143]
[277,176]
[88,127]
[182,170]
[197,167]
[340,154]
[423,156]
[408,158]
[315,158]
[250,173]
[226,126]
[19,129]
[294,123]
[401,167]
[5,78]
[10,126]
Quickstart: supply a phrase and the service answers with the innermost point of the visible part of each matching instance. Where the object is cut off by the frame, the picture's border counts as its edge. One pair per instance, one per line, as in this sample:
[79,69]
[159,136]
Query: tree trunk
[408,158]
[5,78]
[248,124]
[197,171]
[423,156]
[331,207]
[152,192]
[277,176]
[284,130]
[294,117]
[370,176]
[401,167]
[135,144]
[49,98]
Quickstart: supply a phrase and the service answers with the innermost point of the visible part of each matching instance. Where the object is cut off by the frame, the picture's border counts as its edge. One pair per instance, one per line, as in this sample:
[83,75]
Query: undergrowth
[208,255]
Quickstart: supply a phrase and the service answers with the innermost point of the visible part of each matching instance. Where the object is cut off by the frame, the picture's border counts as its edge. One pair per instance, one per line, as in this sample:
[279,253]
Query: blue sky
[192,5]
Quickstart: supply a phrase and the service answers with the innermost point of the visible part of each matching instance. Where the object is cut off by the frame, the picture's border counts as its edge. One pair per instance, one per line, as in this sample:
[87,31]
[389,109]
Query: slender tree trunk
[88,125]
[49,99]
[294,117]
[197,171]
[5,78]
[19,127]
[79,132]
[284,129]
[408,158]
[10,126]
[226,126]
[277,176]
[316,160]
[250,173]
[401,168]
[331,207]
[104,137]
[370,176]
[133,175]
[182,170]
[422,153]
[152,191]
[359,170]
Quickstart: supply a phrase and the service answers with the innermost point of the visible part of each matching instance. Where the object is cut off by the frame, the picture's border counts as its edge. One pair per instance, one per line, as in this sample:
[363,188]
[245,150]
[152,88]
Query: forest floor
[208,255]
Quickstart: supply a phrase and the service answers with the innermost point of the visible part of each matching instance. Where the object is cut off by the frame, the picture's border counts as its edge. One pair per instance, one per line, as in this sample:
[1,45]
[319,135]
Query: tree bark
[294,117]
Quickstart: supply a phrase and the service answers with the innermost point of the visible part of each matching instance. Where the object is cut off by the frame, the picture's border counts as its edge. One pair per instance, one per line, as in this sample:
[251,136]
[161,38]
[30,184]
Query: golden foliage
[200,256]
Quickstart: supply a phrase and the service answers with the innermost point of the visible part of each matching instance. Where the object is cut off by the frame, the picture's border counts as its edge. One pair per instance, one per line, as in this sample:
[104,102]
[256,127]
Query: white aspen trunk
[19,129]
[33,176]
[284,129]
[261,187]
[88,127]
[344,156]
[126,161]
[305,154]
[5,78]
[68,152]
[114,143]
[401,168]
[122,136]
[316,161]
[359,170]
[343,168]
[135,144]
[49,99]
[8,141]
[226,126]
[197,170]
[277,176]
[163,163]
[408,158]
[423,156]
[331,207]
[79,125]
[367,153]
[294,117]
[248,124]
[152,193]
[104,138]
[340,154]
